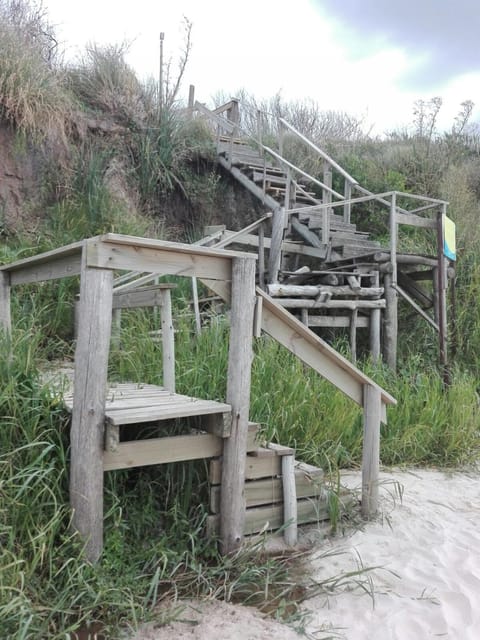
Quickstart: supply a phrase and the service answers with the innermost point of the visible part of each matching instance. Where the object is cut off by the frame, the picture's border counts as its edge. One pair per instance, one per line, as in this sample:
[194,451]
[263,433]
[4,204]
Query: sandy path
[428,586]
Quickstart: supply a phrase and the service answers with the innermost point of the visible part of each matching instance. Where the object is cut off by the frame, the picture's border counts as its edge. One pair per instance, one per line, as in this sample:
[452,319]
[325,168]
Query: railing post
[232,498]
[168,341]
[347,207]
[442,297]
[391,297]
[276,245]
[372,411]
[326,199]
[5,314]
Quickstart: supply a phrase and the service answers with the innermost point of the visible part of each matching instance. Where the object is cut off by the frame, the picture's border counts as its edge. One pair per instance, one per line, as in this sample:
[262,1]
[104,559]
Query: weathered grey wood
[375,324]
[435,294]
[372,410]
[416,221]
[363,322]
[167,410]
[249,240]
[168,341]
[308,236]
[196,308]
[88,412]
[111,254]
[112,437]
[307,346]
[141,453]
[353,335]
[257,322]
[140,297]
[5,312]
[416,290]
[347,207]
[289,500]
[298,303]
[390,323]
[238,396]
[442,297]
[57,263]
[116,326]
[233,236]
[382,256]
[220,424]
[417,307]
[275,256]
[306,291]
[267,200]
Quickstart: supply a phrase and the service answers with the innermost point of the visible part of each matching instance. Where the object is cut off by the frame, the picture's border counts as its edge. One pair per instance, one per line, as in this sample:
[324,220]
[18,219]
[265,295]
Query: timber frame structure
[322,266]
[98,411]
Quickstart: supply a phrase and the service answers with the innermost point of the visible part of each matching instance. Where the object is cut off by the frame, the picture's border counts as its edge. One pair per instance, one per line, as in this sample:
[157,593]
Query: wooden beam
[390,323]
[140,297]
[140,453]
[88,412]
[299,303]
[313,291]
[157,259]
[333,322]
[5,312]
[168,341]
[238,396]
[416,221]
[417,307]
[57,263]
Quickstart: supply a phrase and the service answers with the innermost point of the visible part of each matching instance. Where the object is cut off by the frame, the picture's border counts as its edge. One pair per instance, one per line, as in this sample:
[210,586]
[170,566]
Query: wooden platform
[132,403]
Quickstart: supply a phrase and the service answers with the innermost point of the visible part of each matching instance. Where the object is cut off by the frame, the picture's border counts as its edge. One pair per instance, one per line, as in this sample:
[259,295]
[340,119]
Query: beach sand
[426,584]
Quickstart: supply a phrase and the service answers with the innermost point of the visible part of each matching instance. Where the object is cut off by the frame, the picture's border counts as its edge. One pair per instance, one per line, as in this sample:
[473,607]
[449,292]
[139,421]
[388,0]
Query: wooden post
[289,500]
[88,413]
[347,207]
[116,327]
[276,245]
[442,298]
[261,257]
[372,411]
[391,297]
[326,198]
[353,335]
[435,293]
[5,313]
[168,341]
[232,500]
[375,322]
[196,307]
[191,100]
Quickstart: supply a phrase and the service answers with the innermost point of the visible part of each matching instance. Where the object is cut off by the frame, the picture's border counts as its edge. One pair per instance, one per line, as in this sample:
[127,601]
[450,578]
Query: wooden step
[270,490]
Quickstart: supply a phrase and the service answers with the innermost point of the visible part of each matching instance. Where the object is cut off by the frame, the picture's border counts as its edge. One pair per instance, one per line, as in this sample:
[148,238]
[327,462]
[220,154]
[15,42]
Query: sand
[426,548]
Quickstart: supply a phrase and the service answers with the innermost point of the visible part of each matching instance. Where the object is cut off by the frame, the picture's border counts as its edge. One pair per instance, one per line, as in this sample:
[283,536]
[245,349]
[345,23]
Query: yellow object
[449,249]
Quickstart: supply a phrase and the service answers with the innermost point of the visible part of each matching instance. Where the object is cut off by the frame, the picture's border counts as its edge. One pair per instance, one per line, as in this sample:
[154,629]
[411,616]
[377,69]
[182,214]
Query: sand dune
[426,548]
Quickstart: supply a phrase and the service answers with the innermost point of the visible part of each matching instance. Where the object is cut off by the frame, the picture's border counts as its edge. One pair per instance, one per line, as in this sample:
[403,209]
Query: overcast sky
[372,58]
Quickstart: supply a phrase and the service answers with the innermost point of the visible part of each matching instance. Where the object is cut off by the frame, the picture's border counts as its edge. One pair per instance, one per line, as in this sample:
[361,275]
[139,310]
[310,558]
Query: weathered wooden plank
[249,240]
[140,297]
[5,312]
[280,450]
[299,303]
[363,322]
[56,267]
[416,221]
[268,466]
[90,386]
[390,322]
[312,291]
[271,517]
[71,253]
[238,396]
[220,424]
[275,257]
[140,453]
[168,341]
[371,450]
[112,255]
[270,490]
[308,236]
[164,412]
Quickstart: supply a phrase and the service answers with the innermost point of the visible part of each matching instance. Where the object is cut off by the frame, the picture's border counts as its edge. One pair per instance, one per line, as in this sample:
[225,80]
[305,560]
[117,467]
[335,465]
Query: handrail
[321,153]
[301,172]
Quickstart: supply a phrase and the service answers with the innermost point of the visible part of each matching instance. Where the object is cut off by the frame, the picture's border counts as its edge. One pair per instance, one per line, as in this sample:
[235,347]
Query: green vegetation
[122,158]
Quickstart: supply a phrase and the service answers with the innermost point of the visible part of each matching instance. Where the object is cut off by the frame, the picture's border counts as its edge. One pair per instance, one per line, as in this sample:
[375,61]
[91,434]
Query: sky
[370,58]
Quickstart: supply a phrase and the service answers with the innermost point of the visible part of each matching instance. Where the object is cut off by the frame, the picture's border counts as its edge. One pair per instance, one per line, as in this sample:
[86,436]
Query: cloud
[439,36]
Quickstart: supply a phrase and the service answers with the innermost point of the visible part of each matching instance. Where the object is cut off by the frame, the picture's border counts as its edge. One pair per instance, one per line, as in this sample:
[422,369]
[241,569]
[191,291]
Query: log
[390,323]
[232,516]
[275,257]
[298,303]
[88,412]
[312,291]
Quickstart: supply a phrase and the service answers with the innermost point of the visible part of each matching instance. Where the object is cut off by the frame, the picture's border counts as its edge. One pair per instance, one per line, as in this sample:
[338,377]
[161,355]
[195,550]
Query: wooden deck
[132,403]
